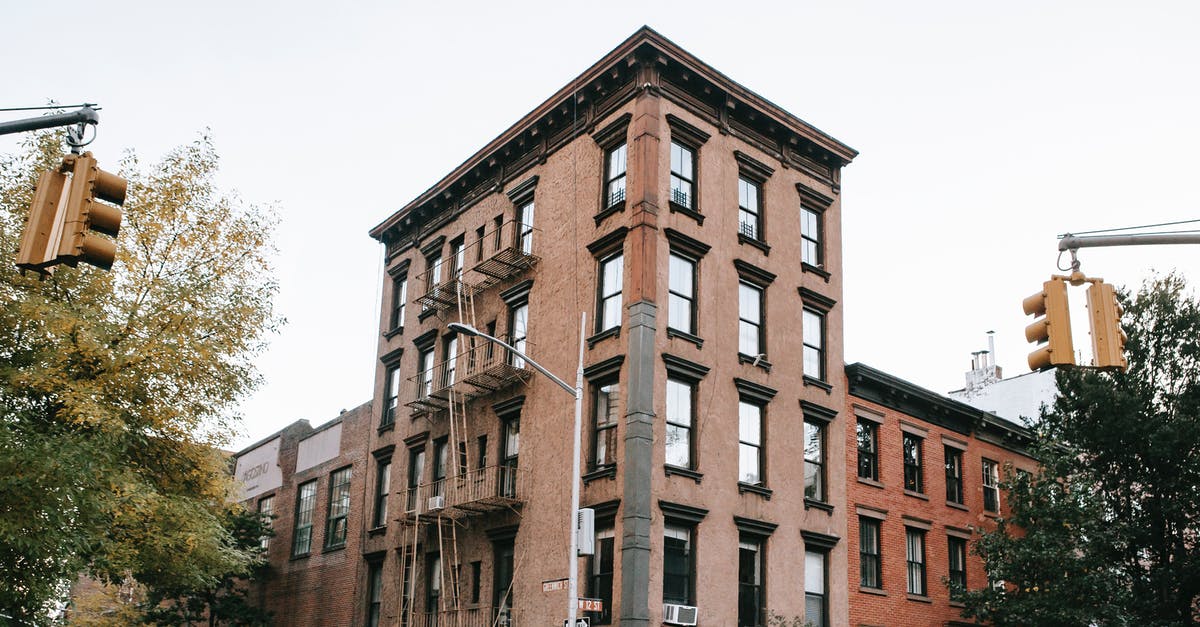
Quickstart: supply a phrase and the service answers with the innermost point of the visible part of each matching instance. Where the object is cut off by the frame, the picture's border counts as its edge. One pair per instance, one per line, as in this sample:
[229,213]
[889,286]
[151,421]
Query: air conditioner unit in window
[679,614]
[436,502]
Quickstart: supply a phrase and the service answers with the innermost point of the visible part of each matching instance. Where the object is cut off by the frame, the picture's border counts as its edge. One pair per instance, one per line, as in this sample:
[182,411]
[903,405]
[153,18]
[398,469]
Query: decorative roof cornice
[646,60]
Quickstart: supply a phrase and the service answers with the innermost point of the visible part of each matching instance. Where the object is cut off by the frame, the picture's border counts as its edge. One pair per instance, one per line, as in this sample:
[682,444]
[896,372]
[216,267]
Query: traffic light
[40,240]
[83,213]
[1054,328]
[1108,339]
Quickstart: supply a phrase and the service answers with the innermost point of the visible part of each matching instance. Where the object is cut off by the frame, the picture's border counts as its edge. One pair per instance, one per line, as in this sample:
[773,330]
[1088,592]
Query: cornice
[596,93]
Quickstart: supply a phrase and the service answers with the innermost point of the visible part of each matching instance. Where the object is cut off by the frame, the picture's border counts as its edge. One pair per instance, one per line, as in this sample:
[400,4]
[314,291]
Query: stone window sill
[683,472]
[753,488]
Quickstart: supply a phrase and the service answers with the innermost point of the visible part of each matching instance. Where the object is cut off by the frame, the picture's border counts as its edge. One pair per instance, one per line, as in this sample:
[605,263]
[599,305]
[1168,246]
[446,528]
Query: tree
[224,601]
[117,388]
[1106,533]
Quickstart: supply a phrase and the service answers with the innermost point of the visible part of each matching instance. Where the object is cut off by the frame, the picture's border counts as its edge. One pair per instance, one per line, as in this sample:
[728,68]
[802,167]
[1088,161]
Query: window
[306,502]
[677,565]
[682,175]
[957,550]
[810,237]
[814,461]
[433,275]
[502,578]
[391,395]
[476,575]
[416,474]
[509,454]
[408,585]
[458,258]
[374,593]
[815,579]
[750,444]
[750,585]
[915,549]
[954,484]
[339,508]
[266,509]
[750,320]
[399,300]
[525,228]
[425,366]
[383,482]
[813,325]
[681,299]
[433,582]
[481,446]
[600,584]
[991,486]
[441,451]
[913,479]
[870,567]
[679,423]
[519,330]
[450,356]
[614,177]
[604,440]
[611,271]
[749,209]
[868,451]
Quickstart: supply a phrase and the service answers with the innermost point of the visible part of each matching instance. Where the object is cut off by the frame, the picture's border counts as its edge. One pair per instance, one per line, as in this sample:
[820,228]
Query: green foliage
[117,388]
[1106,533]
[223,602]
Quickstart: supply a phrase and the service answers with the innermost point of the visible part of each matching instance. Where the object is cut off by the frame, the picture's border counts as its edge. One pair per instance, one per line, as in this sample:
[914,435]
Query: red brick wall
[893,606]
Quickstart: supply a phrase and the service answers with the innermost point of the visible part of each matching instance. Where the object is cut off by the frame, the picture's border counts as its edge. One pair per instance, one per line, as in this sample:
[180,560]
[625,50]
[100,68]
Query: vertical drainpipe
[641,276]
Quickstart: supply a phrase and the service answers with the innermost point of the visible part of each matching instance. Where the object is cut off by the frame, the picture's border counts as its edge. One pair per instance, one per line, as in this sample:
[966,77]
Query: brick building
[310,479]
[923,482]
[646,194]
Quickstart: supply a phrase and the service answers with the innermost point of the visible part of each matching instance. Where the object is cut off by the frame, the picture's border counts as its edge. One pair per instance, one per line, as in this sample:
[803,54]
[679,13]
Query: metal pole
[1073,242]
[573,564]
[86,115]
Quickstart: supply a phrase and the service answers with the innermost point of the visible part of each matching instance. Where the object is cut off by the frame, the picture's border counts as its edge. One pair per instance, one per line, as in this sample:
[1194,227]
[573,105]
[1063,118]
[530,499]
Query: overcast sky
[985,129]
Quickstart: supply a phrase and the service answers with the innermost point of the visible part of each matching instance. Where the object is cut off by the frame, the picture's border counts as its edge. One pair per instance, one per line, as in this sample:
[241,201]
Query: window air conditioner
[679,614]
[436,502]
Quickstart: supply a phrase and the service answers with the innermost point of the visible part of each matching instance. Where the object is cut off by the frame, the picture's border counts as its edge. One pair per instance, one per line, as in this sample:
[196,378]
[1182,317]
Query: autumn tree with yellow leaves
[117,389]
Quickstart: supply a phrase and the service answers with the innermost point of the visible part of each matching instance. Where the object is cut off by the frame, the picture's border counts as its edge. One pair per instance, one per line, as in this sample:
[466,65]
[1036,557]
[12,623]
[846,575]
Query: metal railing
[476,491]
[477,371]
[500,253]
[467,617]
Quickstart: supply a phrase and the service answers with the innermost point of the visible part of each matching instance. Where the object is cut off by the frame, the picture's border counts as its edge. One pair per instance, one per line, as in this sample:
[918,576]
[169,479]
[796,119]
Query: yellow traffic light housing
[1053,329]
[1104,315]
[83,213]
[43,229]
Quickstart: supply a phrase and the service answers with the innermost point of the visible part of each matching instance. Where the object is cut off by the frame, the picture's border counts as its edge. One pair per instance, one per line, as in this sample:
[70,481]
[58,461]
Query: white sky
[985,129]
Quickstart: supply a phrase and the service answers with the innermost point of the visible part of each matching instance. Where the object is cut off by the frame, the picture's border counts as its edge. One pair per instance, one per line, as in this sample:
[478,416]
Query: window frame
[674,295]
[416,475]
[757,445]
[614,198]
[914,472]
[915,559]
[754,589]
[383,482]
[268,514]
[302,527]
[870,554]
[391,394]
[956,547]
[758,324]
[750,215]
[374,593]
[809,315]
[822,597]
[817,203]
[810,241]
[691,139]
[752,173]
[337,510]
[687,428]
[688,559]
[953,458]
[599,581]
[604,271]
[991,485]
[871,454]
[399,302]
[604,432]
[820,474]
[684,200]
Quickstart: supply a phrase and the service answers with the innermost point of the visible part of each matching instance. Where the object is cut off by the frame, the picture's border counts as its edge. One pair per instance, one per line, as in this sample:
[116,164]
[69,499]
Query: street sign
[554,584]
[591,605]
[579,622]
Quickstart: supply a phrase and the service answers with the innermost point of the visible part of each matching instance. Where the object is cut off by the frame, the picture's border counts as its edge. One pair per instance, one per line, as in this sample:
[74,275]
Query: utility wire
[86,104]
[1130,228]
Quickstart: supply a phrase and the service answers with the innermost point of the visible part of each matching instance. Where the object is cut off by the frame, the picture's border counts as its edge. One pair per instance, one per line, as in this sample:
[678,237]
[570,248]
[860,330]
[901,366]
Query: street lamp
[577,392]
